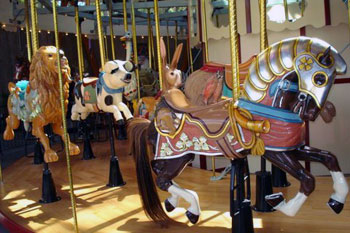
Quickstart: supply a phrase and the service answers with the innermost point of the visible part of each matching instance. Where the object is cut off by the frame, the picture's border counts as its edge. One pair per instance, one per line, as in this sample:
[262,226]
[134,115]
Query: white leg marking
[113,109]
[291,207]
[340,187]
[122,107]
[189,196]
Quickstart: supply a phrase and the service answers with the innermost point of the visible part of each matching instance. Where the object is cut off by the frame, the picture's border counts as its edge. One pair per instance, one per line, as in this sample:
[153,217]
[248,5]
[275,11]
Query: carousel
[206,116]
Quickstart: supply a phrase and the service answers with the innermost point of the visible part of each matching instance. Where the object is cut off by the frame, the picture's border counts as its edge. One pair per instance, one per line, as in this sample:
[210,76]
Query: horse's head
[118,73]
[172,77]
[313,78]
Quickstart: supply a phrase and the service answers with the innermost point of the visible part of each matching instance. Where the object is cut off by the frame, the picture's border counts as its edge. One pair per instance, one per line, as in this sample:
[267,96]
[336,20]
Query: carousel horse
[38,100]
[286,85]
[22,69]
[104,93]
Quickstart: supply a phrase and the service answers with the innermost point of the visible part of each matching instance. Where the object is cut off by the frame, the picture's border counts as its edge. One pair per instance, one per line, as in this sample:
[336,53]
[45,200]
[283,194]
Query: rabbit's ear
[176,57]
[163,51]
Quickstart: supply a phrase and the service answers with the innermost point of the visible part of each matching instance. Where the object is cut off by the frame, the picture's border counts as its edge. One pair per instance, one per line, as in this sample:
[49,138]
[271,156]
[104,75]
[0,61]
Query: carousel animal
[22,69]
[38,100]
[104,93]
[277,98]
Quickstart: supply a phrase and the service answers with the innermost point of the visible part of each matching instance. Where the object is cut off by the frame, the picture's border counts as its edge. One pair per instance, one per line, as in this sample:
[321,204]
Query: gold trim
[320,72]
[269,63]
[280,57]
[257,69]
[323,66]
[176,132]
[308,47]
[295,48]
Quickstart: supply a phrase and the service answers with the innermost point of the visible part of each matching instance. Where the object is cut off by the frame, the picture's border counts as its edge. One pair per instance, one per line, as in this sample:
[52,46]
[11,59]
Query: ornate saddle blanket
[195,134]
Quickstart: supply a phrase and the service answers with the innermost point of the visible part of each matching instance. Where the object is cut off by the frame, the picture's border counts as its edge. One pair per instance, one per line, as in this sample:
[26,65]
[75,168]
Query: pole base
[279,178]
[49,194]
[121,135]
[243,218]
[38,153]
[88,153]
[263,188]
[115,176]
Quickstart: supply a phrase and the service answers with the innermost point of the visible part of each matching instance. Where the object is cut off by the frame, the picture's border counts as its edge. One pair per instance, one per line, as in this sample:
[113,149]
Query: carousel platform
[104,209]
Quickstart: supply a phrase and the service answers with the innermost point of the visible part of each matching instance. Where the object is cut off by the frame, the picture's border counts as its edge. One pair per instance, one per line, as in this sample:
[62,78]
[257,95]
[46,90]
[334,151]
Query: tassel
[259,147]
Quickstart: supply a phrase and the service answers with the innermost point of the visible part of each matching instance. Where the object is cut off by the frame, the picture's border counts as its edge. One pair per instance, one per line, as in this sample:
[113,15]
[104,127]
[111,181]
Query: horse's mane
[45,81]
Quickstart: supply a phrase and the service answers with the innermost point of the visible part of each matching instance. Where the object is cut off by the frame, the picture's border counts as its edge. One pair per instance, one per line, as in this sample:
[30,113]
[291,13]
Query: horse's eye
[320,80]
[50,55]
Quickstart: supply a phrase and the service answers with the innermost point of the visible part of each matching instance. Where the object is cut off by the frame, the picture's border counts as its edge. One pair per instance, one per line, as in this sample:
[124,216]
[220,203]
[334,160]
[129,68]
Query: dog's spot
[109,100]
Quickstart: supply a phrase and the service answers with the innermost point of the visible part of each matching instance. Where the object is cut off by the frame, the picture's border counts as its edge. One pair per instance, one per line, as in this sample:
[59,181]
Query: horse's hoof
[192,217]
[336,206]
[274,199]
[168,206]
[73,149]
[9,135]
[50,156]
[120,122]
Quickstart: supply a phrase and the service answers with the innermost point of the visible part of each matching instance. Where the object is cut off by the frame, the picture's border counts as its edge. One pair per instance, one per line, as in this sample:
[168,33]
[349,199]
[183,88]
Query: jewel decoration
[305,64]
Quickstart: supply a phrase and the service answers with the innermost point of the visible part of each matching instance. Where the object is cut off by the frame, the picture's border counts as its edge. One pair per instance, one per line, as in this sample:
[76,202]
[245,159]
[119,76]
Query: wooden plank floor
[103,209]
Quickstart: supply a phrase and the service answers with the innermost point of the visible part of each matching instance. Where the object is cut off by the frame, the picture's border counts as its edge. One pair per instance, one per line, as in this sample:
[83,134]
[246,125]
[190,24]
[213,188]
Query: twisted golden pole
[189,38]
[79,43]
[205,33]
[134,43]
[100,33]
[111,29]
[156,18]
[125,15]
[29,45]
[35,40]
[152,47]
[232,10]
[150,60]
[66,137]
[167,41]
[263,30]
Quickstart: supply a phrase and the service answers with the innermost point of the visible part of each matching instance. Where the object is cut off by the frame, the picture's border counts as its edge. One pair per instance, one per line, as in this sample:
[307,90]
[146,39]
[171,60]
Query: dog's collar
[101,83]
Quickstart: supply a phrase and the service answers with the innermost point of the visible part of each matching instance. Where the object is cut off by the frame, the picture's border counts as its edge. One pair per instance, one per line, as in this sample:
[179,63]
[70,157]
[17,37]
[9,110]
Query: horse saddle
[213,117]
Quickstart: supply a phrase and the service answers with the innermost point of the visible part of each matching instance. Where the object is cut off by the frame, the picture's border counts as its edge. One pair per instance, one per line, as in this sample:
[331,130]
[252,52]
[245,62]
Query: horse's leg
[116,113]
[58,129]
[287,162]
[122,107]
[167,170]
[340,186]
[38,131]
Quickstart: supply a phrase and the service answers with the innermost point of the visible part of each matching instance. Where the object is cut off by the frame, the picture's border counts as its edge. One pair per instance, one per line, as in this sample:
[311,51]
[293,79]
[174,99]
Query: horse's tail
[137,133]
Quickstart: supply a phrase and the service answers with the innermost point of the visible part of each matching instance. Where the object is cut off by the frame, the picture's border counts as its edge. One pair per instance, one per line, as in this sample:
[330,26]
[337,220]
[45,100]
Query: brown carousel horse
[38,100]
[286,85]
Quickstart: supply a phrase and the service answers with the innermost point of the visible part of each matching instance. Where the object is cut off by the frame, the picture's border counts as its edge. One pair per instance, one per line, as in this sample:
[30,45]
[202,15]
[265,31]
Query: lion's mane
[45,80]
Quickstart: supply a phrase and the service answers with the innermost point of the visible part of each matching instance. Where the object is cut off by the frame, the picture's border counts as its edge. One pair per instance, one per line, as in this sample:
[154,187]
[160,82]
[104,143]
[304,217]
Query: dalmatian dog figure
[104,93]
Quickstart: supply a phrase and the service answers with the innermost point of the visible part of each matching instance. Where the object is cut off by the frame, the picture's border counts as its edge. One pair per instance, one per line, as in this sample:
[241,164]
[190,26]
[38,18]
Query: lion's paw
[9,134]
[50,156]
[73,149]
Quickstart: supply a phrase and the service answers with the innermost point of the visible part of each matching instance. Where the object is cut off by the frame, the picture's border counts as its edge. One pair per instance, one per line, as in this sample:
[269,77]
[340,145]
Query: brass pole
[176,32]
[111,29]
[263,30]
[160,70]
[105,44]
[349,16]
[205,33]
[100,33]
[285,9]
[125,14]
[35,40]
[234,48]
[29,45]
[66,137]
[79,42]
[189,37]
[153,52]
[134,42]
[167,41]
[149,38]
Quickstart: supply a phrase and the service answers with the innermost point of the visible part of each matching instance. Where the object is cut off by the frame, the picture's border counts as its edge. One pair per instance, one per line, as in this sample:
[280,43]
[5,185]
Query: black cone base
[88,153]
[263,188]
[279,177]
[121,132]
[243,218]
[38,153]
[49,194]
[115,176]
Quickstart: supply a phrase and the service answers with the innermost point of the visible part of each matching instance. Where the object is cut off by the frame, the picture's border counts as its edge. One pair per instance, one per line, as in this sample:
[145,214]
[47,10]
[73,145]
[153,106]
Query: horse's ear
[176,57]
[163,51]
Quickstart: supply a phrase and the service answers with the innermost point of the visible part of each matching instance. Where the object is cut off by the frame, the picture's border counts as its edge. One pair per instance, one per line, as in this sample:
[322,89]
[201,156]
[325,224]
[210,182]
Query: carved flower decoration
[184,142]
[200,144]
[305,64]
[165,150]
